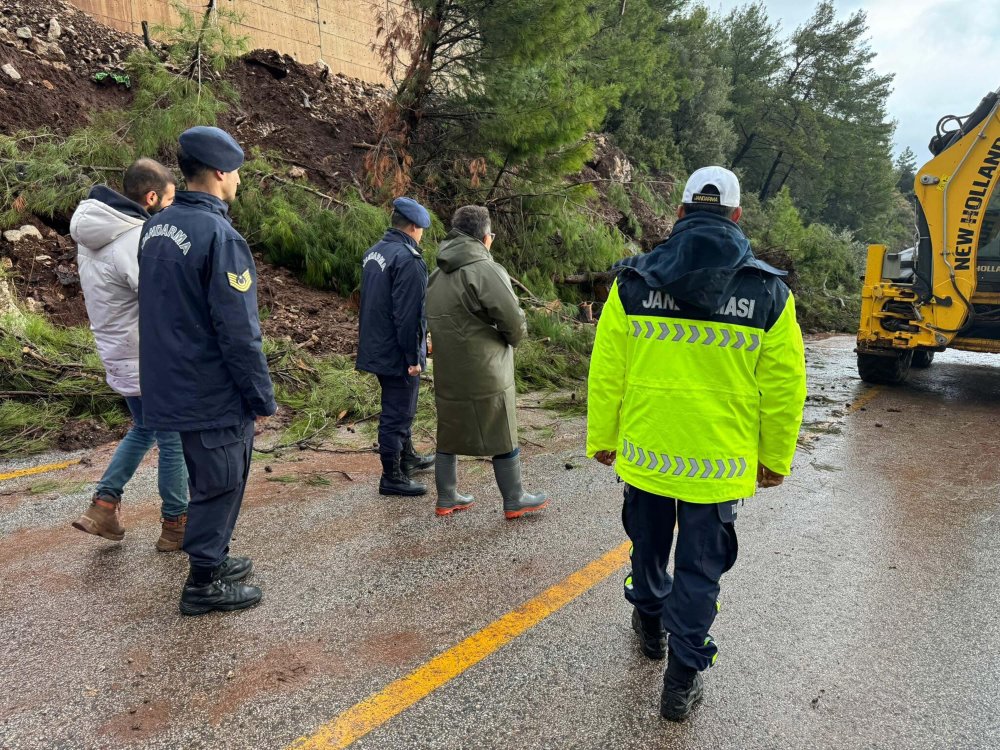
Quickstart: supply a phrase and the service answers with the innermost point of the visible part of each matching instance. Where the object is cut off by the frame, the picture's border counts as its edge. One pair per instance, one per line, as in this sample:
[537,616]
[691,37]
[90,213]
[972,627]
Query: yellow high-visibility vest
[692,403]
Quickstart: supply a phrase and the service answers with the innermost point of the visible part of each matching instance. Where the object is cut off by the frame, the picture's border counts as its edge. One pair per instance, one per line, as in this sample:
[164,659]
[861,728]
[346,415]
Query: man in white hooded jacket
[107,227]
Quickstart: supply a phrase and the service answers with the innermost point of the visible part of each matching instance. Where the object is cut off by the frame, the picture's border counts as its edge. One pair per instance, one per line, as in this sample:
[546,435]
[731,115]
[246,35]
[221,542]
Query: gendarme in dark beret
[413,211]
[212,146]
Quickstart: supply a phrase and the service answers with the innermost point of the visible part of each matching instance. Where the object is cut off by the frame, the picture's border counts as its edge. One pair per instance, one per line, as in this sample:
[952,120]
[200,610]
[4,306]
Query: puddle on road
[833,386]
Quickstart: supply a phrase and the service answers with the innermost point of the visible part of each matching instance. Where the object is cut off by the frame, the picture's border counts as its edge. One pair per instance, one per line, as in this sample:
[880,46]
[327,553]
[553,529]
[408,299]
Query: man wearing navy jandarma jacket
[201,366]
[392,340]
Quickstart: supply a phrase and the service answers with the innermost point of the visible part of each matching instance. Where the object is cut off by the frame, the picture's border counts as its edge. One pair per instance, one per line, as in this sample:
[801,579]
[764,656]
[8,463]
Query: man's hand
[259,425]
[605,457]
[768,478]
[414,371]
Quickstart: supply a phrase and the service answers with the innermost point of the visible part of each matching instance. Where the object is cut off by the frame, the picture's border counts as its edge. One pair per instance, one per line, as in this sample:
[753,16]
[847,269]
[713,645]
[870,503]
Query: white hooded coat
[106,228]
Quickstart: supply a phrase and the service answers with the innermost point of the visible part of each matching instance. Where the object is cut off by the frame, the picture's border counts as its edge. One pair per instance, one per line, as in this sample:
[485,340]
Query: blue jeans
[171,471]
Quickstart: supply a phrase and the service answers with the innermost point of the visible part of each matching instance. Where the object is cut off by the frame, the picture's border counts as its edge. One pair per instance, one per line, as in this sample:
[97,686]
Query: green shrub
[322,242]
[57,377]
[826,287]
[553,239]
[555,355]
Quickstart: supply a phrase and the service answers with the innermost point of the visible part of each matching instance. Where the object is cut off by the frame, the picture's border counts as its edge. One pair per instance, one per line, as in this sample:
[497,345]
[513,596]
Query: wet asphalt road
[862,613]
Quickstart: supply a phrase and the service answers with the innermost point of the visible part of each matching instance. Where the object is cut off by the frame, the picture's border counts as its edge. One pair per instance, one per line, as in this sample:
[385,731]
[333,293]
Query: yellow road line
[864,398]
[38,470]
[377,709]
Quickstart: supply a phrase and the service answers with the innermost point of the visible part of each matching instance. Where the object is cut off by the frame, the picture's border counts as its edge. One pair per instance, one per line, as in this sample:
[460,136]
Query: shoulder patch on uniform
[242,282]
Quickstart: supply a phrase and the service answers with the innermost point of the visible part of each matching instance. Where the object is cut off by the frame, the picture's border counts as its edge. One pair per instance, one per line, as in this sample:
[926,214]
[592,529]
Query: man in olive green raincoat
[475,322]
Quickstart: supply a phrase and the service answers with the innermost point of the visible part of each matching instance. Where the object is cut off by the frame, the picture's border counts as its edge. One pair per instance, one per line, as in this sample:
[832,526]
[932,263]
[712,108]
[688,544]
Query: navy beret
[413,211]
[212,146]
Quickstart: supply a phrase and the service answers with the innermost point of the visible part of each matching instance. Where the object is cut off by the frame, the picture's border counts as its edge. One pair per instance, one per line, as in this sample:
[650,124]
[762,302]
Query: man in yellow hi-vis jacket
[696,389]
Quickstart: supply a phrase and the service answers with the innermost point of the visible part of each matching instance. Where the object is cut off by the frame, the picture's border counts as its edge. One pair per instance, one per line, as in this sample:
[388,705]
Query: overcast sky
[945,55]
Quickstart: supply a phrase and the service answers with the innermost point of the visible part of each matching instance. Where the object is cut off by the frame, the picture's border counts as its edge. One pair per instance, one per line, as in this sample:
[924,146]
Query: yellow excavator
[944,292]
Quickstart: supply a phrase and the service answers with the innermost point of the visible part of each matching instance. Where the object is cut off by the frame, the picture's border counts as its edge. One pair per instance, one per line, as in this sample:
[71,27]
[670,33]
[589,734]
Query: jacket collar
[397,235]
[203,201]
[118,202]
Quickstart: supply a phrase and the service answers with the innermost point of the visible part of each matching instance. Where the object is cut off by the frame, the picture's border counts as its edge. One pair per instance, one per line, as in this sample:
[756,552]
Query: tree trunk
[496,182]
[785,178]
[744,150]
[766,187]
[416,86]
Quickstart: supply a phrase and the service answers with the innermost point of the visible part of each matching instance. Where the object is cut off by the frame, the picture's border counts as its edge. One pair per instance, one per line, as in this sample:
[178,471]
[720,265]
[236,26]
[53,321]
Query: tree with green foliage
[753,54]
[635,40]
[906,171]
[822,127]
[487,91]
[703,133]
[671,117]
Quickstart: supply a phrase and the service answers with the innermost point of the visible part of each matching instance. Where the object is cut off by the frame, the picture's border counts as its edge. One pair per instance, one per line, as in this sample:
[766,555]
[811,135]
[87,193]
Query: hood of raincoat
[700,262]
[459,249]
[104,217]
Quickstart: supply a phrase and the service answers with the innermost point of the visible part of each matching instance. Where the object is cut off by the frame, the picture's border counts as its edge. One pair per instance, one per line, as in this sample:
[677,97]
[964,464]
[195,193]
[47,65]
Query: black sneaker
[682,689]
[224,596]
[652,636]
[233,569]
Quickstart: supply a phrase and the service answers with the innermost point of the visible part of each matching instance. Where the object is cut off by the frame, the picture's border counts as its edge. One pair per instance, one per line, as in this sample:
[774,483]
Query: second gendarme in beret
[413,211]
[212,146]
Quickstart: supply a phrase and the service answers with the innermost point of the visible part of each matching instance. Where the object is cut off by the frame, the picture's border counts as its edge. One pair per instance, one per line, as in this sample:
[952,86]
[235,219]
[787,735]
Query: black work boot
[201,596]
[413,461]
[652,636]
[682,689]
[394,480]
[234,569]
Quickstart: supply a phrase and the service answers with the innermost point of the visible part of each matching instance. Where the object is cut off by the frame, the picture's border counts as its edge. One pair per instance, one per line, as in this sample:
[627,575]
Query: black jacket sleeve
[232,301]
[409,287]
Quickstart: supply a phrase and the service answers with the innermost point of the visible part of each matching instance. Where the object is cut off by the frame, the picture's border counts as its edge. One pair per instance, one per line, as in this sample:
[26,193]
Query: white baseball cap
[721,178]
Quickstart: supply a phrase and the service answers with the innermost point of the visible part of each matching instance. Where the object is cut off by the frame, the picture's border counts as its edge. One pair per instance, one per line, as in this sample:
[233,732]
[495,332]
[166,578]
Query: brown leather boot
[171,533]
[103,518]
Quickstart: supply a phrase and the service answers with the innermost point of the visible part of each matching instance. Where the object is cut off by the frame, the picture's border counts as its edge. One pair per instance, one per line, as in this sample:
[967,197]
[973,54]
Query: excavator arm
[951,298]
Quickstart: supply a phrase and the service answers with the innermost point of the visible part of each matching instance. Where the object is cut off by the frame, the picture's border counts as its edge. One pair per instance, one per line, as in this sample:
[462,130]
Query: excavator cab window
[988,252]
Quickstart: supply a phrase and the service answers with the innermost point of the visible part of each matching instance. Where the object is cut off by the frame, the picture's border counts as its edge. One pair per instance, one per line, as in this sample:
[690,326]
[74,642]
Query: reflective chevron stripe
[676,333]
[677,466]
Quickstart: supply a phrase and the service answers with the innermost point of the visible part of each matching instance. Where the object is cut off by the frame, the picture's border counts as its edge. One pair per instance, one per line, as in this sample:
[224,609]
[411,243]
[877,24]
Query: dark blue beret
[212,146]
[413,211]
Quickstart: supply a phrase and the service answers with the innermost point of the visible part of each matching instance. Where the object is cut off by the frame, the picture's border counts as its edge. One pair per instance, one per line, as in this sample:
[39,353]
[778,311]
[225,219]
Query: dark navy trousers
[399,407]
[706,548]
[218,462]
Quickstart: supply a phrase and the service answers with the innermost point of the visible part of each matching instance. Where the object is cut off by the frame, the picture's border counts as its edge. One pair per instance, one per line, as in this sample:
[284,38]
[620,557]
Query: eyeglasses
[492,234]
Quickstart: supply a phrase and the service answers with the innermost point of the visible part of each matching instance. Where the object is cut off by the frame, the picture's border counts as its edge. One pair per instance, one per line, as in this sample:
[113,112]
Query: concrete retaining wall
[340,32]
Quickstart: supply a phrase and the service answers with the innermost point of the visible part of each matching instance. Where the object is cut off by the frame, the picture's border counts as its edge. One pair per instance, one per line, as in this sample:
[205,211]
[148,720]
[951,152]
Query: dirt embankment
[303,116]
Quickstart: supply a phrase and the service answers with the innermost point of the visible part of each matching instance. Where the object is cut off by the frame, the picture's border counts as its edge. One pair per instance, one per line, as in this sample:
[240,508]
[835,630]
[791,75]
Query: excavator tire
[922,359]
[885,370]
